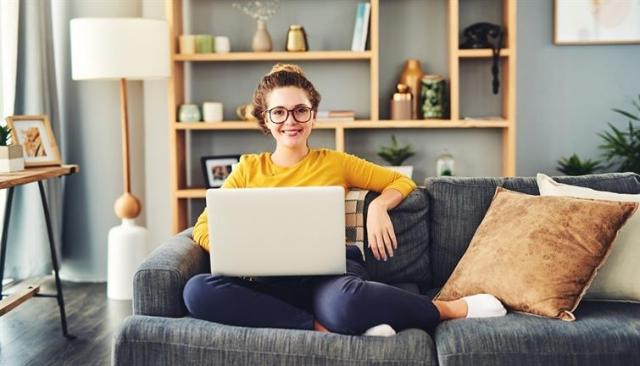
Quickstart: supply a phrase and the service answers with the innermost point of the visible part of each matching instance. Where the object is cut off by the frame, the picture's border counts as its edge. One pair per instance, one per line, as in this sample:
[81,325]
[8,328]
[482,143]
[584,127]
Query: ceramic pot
[261,39]
[11,158]
[189,113]
[406,170]
[411,76]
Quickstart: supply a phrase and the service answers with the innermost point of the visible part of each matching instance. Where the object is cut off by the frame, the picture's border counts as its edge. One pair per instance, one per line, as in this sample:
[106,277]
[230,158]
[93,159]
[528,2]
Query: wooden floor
[31,334]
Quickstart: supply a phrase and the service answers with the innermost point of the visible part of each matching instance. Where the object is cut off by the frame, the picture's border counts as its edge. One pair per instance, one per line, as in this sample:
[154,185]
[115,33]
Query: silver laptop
[277,231]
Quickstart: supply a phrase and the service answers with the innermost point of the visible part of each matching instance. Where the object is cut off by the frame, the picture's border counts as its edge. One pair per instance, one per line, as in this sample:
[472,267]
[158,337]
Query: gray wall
[565,93]
[557,112]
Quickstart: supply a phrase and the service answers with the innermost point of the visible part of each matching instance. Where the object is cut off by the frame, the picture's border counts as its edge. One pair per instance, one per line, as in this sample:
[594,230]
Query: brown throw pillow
[538,255]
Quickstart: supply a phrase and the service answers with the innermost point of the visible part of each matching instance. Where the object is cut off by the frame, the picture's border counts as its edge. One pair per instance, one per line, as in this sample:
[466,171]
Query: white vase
[404,170]
[261,39]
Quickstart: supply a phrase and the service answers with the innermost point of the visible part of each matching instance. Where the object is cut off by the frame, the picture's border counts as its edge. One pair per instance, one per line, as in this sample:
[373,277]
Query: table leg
[54,261]
[5,232]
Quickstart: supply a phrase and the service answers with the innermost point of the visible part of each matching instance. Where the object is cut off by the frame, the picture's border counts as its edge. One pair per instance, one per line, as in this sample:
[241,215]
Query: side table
[10,181]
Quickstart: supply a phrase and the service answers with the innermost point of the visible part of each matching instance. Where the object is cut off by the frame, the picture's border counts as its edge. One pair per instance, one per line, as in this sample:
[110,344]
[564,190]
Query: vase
[261,39]
[411,76]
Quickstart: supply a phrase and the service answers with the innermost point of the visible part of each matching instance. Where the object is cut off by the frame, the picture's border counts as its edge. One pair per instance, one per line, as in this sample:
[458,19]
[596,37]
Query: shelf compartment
[482,53]
[274,56]
[362,124]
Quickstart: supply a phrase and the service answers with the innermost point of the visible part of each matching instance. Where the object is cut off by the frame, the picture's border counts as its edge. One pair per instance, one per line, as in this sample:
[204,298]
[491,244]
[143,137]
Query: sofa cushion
[604,334]
[410,261]
[619,278]
[458,204]
[144,340]
[538,254]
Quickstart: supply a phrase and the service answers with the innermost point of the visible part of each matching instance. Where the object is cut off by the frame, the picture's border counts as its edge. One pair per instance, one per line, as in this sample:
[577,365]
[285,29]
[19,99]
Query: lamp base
[127,249]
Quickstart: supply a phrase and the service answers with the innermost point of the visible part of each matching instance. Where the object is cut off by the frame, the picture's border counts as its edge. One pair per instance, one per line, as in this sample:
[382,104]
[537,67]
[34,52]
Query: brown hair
[281,76]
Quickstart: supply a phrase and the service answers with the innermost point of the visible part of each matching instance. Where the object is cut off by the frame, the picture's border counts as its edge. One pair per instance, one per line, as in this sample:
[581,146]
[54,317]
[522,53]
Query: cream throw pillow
[619,278]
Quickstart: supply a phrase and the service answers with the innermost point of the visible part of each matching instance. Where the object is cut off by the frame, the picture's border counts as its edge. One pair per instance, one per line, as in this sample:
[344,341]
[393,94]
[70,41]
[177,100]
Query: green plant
[395,154]
[622,146]
[5,135]
[574,166]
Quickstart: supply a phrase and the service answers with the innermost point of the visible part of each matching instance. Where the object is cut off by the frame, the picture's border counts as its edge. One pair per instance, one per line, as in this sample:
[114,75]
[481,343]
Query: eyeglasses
[301,114]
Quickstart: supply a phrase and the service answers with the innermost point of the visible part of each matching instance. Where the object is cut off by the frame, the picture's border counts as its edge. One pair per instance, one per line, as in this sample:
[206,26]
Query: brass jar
[296,39]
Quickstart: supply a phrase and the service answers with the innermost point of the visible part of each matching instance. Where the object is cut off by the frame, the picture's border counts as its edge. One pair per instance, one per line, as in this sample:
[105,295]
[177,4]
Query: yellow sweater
[321,167]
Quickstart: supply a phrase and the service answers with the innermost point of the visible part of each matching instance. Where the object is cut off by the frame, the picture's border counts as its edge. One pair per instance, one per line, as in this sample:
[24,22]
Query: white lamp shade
[116,48]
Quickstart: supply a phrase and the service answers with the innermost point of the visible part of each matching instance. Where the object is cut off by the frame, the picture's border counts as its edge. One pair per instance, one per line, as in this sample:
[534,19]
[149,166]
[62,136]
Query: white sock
[381,330]
[484,306]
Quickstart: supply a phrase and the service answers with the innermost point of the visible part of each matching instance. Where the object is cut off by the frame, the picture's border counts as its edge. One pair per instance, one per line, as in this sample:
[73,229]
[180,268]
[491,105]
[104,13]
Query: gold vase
[296,39]
[411,76]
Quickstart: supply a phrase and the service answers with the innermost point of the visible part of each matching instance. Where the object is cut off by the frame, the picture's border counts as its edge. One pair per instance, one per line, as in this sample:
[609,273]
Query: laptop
[292,231]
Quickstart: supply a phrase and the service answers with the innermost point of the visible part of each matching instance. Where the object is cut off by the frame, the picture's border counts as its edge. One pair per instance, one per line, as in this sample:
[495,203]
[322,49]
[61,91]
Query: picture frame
[34,134]
[587,22]
[216,168]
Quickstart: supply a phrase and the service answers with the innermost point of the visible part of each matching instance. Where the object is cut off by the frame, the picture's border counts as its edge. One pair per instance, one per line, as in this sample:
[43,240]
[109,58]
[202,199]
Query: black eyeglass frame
[289,112]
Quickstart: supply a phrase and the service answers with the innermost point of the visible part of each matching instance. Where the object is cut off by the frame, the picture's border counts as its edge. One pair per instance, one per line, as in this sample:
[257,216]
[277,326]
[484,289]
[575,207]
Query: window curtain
[32,86]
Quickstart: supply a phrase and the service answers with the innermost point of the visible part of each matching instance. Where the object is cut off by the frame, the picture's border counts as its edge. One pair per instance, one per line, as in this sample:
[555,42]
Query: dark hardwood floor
[31,334]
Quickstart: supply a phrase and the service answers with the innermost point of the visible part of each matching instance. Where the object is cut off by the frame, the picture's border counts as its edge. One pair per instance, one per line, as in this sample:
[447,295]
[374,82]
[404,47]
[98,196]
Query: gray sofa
[434,226]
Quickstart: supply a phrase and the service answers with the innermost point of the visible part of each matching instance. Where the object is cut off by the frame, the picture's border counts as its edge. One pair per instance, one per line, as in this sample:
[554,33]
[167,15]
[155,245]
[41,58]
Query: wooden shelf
[482,53]
[506,125]
[275,56]
[191,193]
[361,124]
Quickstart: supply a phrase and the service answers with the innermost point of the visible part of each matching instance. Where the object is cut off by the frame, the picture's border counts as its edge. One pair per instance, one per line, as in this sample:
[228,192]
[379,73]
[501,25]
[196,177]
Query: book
[361,27]
[335,115]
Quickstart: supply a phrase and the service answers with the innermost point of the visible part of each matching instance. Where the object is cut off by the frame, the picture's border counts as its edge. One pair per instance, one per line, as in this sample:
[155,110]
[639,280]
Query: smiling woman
[285,104]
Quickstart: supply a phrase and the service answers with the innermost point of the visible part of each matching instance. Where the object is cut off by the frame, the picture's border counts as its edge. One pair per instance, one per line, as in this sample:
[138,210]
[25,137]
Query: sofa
[434,226]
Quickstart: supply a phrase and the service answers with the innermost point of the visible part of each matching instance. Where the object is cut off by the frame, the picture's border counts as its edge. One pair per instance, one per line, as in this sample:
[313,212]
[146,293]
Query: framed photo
[217,168]
[35,135]
[578,22]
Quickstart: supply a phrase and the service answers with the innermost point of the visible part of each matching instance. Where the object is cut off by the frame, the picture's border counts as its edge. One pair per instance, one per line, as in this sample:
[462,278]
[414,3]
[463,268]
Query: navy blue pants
[346,304]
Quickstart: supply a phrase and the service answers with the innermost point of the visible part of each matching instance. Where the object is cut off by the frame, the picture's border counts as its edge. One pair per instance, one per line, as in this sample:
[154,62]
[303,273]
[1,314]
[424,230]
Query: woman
[285,104]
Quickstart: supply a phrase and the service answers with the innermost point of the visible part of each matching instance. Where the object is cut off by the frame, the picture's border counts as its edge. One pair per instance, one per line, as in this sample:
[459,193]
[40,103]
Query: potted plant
[575,166]
[621,146]
[395,155]
[11,158]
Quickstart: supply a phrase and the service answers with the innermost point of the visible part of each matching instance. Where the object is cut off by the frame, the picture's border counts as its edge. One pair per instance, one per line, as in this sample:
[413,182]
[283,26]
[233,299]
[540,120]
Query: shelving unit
[181,193]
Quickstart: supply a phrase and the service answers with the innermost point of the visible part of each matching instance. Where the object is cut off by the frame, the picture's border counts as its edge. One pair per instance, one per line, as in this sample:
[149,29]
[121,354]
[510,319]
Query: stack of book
[329,116]
[361,27]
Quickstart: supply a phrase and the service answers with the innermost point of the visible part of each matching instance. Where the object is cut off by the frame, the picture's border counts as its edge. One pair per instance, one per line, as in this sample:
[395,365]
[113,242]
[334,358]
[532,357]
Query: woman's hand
[382,238]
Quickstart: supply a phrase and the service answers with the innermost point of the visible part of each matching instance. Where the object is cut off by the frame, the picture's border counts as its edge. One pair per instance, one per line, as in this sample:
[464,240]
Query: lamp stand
[127,242]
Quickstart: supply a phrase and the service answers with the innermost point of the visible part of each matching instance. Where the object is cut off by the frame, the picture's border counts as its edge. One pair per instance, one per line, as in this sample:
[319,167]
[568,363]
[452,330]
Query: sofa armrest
[160,279]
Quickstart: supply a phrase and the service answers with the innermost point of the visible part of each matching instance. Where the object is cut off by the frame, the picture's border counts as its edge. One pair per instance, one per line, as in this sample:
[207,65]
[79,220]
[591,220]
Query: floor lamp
[121,49]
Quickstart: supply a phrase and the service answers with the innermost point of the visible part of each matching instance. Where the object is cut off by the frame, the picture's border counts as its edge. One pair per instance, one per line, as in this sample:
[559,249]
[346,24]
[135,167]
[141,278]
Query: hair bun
[286,67]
